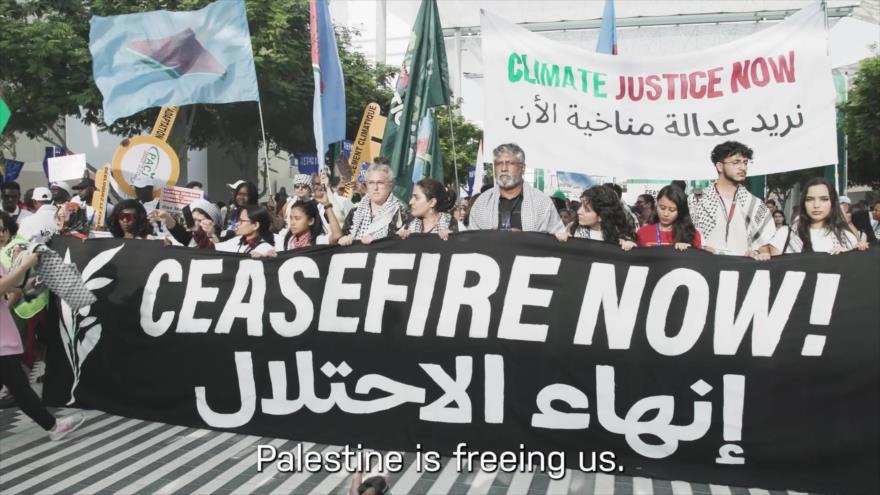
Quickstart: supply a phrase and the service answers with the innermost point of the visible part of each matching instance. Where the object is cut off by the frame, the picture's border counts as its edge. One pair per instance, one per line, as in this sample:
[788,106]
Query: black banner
[658,363]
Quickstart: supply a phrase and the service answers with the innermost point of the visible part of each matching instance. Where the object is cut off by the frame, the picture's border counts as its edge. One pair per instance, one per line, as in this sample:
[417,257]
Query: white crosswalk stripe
[115,454]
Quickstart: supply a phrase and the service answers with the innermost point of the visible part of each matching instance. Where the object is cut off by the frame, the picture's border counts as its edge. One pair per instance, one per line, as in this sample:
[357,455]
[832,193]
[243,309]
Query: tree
[862,119]
[46,73]
[466,143]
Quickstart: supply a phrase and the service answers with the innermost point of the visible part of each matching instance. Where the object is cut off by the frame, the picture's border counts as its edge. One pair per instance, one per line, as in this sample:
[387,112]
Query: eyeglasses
[244,220]
[300,186]
[508,163]
[126,217]
[738,163]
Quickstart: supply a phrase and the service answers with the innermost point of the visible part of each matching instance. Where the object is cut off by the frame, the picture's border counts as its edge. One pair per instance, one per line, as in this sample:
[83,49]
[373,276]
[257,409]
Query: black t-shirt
[510,213]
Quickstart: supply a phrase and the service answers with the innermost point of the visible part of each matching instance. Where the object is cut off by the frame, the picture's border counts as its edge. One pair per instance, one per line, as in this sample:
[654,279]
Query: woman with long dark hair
[820,227]
[253,234]
[429,206]
[305,227]
[129,221]
[244,195]
[600,217]
[670,224]
[779,219]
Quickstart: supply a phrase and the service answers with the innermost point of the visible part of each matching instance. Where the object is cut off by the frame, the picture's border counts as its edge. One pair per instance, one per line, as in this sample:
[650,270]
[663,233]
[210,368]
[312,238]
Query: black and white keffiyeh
[537,214]
[416,225]
[705,209]
[376,225]
[794,243]
[582,232]
[63,279]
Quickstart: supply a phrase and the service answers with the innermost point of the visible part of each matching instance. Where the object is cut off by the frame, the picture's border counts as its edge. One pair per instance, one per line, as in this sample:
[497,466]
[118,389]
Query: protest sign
[712,369]
[174,199]
[102,192]
[66,167]
[659,118]
[145,156]
[369,138]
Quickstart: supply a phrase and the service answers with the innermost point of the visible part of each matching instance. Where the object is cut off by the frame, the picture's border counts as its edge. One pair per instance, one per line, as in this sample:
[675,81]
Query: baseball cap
[42,194]
[142,181]
[559,195]
[62,185]
[845,199]
[235,185]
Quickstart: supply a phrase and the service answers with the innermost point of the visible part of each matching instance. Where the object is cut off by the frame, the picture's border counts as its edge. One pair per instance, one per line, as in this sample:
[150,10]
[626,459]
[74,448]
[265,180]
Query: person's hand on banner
[759,256]
[366,239]
[682,246]
[627,245]
[403,233]
[158,215]
[562,235]
[444,234]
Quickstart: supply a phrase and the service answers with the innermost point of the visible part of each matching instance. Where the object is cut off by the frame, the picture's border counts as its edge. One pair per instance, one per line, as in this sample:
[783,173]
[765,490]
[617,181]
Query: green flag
[5,113]
[423,83]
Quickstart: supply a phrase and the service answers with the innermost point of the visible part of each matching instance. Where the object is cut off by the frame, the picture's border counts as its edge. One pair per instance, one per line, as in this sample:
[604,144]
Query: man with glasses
[10,193]
[377,215]
[512,204]
[731,220]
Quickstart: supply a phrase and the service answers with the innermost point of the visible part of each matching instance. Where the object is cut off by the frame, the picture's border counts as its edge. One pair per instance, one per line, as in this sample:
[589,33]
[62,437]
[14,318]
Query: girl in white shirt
[253,236]
[305,227]
[821,227]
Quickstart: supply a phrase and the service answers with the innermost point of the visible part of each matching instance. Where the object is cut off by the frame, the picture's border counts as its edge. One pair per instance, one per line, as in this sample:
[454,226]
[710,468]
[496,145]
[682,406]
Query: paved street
[112,454]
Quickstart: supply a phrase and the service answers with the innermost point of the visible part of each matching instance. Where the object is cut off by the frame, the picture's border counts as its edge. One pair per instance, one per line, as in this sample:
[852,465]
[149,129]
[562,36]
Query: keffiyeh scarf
[537,212]
[376,226]
[587,233]
[794,243]
[416,225]
[705,212]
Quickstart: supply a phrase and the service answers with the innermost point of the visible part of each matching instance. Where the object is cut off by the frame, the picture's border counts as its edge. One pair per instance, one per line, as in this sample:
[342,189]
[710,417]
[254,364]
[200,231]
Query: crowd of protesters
[724,218]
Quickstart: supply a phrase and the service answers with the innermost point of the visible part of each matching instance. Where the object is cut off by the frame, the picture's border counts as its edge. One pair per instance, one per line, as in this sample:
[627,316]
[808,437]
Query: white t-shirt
[39,226]
[822,240]
[234,245]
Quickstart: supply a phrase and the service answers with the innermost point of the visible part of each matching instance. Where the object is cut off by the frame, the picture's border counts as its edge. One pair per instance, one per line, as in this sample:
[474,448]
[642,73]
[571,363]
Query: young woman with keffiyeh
[601,218]
[305,227]
[429,206]
[821,227]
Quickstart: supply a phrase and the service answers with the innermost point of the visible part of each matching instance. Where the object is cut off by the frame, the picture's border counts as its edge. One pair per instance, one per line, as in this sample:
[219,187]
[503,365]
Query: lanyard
[658,233]
[728,214]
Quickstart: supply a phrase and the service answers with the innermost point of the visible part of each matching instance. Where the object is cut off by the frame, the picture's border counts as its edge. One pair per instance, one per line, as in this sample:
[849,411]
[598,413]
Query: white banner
[659,118]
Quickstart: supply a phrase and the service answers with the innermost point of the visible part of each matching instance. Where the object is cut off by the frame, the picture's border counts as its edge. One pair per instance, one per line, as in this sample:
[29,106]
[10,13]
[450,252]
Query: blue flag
[13,168]
[328,112]
[608,31]
[165,58]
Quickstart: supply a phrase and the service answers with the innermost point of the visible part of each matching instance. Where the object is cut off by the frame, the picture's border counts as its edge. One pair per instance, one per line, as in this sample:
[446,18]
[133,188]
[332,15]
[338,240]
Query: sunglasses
[300,186]
[126,217]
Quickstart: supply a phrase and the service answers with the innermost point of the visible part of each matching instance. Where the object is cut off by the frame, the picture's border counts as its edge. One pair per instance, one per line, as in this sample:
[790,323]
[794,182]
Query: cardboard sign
[99,198]
[174,198]
[145,156]
[68,167]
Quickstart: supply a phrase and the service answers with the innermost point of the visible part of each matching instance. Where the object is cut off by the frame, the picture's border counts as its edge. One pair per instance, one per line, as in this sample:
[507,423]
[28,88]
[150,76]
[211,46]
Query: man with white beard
[513,205]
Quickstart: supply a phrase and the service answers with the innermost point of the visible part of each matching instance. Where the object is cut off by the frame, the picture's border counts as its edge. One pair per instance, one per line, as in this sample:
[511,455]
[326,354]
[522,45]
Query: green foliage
[862,119]
[466,143]
[46,74]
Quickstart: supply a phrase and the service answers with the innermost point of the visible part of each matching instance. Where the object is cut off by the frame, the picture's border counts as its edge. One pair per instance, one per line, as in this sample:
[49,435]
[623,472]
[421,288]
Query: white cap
[845,199]
[234,186]
[42,194]
[142,181]
[63,185]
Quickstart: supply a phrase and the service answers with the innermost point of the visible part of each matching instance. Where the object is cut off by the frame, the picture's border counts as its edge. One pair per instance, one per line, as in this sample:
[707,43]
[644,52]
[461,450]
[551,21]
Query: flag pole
[265,151]
[454,158]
